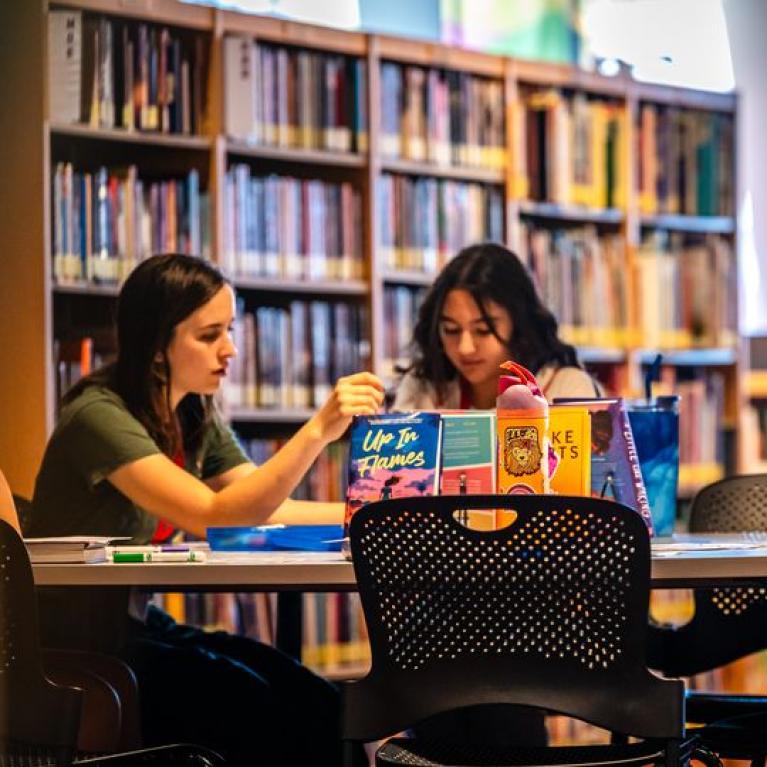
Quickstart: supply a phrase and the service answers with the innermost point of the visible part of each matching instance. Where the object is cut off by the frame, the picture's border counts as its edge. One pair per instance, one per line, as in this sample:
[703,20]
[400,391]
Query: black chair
[110,719]
[728,623]
[550,612]
[39,720]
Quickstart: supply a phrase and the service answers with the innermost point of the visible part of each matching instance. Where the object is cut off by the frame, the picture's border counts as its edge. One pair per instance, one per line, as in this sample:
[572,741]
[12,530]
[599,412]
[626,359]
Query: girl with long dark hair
[139,450]
[483,309]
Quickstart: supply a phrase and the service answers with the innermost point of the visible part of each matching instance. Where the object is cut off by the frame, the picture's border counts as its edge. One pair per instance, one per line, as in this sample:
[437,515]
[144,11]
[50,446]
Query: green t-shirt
[95,435]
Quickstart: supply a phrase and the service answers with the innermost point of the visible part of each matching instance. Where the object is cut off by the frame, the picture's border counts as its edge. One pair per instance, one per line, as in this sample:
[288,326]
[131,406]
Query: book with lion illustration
[392,456]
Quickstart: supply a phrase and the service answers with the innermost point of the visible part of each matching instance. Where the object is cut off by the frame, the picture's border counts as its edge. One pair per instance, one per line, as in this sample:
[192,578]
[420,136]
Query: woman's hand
[358,394]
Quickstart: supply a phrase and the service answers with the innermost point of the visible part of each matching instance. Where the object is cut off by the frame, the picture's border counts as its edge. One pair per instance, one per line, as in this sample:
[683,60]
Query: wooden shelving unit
[29,146]
[313,287]
[85,132]
[455,173]
[692,224]
[298,156]
[270,415]
[554,212]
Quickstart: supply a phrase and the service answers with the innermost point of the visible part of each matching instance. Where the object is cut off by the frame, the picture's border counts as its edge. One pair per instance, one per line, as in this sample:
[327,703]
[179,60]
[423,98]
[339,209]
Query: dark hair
[160,293]
[488,272]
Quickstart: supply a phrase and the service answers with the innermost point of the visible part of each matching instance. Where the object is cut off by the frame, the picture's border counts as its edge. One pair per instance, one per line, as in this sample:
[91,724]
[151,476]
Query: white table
[299,571]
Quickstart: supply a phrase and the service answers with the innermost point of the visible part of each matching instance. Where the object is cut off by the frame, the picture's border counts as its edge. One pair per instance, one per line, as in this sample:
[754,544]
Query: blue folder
[276,538]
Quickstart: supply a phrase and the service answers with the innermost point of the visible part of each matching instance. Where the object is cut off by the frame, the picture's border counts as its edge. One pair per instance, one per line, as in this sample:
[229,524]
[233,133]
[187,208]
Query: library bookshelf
[429,133]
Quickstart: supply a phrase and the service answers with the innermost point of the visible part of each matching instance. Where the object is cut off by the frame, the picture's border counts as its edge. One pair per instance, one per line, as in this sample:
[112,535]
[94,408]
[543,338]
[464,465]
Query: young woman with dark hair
[483,309]
[139,450]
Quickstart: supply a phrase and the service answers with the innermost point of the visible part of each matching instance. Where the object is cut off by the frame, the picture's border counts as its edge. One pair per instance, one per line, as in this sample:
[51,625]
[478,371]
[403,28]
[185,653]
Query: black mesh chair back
[36,716]
[550,612]
[732,505]
[729,622]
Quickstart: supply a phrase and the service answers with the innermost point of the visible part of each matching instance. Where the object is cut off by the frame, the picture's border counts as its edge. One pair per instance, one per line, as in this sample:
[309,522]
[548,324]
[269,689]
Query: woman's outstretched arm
[160,487]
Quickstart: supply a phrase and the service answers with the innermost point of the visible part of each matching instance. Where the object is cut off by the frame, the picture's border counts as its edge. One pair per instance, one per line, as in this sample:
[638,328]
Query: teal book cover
[468,453]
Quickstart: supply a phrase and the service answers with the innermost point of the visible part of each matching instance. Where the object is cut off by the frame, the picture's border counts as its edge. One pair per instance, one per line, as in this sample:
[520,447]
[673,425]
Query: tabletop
[685,561]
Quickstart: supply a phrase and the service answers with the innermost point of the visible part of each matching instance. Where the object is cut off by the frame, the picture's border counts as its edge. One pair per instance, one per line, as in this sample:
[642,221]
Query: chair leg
[672,754]
[353,754]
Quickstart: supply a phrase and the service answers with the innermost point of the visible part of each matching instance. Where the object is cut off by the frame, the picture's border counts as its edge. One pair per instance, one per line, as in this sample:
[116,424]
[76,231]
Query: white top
[416,394]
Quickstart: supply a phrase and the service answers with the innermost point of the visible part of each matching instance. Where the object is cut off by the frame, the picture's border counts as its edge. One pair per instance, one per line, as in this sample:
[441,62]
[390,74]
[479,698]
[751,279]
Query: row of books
[325,481]
[686,292]
[441,116]
[569,149]
[291,356]
[106,221]
[278,226]
[581,276]
[77,357]
[293,98]
[701,421]
[425,221]
[701,408]
[685,161]
[401,304]
[111,73]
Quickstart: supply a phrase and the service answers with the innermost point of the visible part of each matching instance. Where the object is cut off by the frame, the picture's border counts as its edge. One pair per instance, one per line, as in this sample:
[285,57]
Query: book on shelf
[582,278]
[701,410]
[289,357]
[78,356]
[325,481]
[107,221]
[118,73]
[294,98]
[68,549]
[569,150]
[278,226]
[401,304]
[686,292]
[442,117]
[685,161]
[425,221]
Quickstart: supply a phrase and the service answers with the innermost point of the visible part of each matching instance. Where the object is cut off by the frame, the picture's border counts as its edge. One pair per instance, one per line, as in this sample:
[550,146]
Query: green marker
[132,557]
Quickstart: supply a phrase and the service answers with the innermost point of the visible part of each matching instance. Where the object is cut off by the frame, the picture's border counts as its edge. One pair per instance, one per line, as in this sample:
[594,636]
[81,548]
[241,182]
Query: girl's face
[201,347]
[468,341]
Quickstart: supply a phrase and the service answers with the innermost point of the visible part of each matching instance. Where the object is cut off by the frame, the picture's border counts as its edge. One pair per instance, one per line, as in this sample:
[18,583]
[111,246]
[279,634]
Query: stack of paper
[68,548]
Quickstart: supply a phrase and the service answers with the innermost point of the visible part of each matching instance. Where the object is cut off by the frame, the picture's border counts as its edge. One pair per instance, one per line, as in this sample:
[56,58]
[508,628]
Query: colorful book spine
[615,469]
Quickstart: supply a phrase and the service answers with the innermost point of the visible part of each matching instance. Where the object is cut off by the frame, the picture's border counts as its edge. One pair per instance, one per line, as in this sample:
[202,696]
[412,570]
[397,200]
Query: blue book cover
[392,456]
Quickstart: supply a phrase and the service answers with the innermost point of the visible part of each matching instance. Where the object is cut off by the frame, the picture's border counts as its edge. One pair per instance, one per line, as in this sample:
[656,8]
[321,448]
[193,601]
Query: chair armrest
[181,754]
[111,719]
[707,707]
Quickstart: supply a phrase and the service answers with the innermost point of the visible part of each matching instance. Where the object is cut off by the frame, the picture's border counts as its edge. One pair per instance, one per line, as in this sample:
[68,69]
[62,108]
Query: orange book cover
[570,439]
